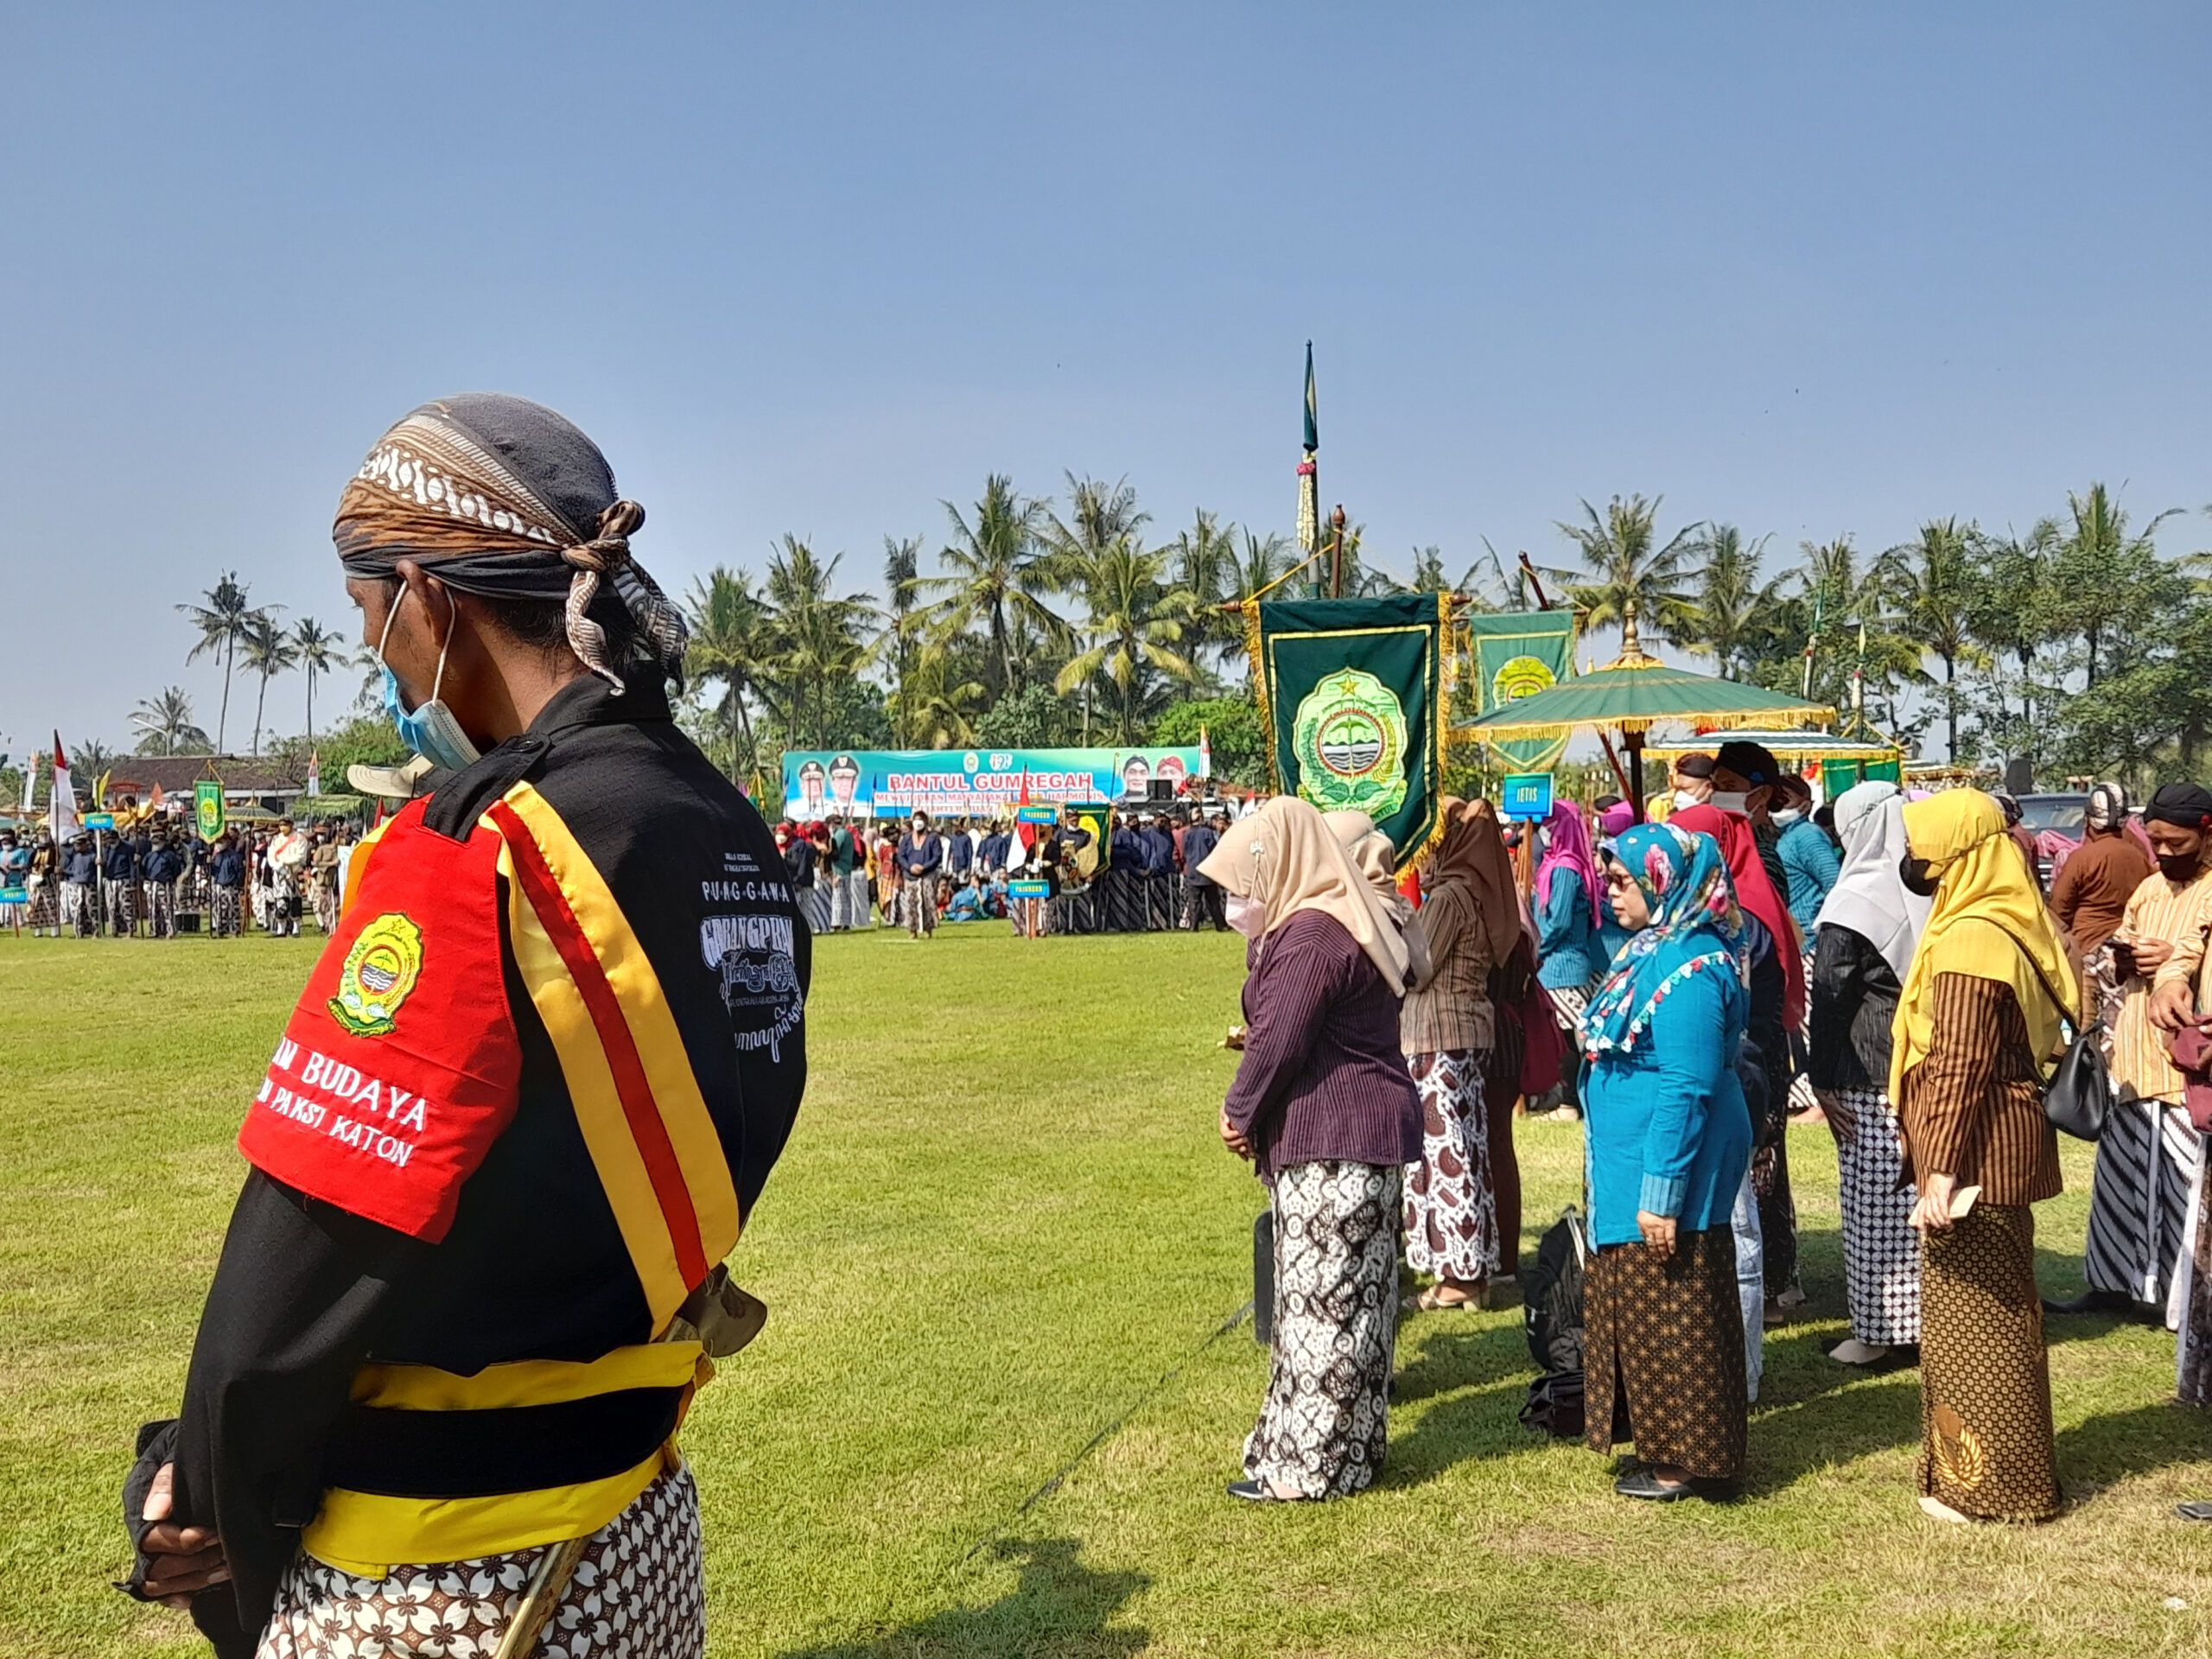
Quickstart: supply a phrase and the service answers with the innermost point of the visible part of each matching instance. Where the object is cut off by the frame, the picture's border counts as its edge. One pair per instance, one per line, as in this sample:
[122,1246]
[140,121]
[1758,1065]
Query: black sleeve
[289,1318]
[1837,987]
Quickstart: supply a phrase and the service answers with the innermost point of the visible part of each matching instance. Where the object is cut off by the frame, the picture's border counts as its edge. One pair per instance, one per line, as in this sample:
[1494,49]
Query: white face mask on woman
[1248,916]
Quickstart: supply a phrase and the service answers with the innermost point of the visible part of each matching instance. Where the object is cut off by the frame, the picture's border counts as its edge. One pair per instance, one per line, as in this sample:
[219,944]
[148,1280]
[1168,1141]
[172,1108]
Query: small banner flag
[315,775]
[61,801]
[208,810]
[1514,654]
[1354,695]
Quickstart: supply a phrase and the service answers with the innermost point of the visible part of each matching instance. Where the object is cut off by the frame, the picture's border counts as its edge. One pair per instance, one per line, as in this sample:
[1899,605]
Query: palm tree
[317,651]
[728,642]
[996,573]
[2095,557]
[165,722]
[1931,584]
[936,708]
[268,650]
[1727,619]
[1132,620]
[1202,562]
[1263,562]
[901,578]
[816,638]
[1618,548]
[221,622]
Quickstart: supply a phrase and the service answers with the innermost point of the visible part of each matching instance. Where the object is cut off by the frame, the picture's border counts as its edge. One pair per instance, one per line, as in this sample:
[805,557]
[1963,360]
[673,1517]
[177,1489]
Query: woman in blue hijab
[1669,1138]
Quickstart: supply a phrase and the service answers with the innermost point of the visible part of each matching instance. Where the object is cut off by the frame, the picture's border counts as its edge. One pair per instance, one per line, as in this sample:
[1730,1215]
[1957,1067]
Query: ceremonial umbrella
[1634,692]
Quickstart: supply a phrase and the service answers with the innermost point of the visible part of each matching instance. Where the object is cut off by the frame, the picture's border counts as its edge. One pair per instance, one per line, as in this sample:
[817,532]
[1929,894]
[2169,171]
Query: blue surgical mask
[430,730]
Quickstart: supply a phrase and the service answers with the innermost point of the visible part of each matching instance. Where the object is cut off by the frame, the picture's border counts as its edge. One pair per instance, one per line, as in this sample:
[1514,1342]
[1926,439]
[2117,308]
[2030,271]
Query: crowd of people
[856,873]
[153,878]
[1897,966]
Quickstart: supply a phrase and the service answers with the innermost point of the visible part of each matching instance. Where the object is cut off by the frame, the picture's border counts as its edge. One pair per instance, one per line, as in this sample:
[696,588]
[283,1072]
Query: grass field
[1004,1224]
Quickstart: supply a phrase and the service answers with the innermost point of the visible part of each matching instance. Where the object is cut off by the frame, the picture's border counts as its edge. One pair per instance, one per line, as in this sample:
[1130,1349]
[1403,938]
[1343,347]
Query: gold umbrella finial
[1632,653]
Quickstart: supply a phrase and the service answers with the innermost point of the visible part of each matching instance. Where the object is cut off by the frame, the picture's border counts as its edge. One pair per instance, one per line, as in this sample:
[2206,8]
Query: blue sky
[814,269]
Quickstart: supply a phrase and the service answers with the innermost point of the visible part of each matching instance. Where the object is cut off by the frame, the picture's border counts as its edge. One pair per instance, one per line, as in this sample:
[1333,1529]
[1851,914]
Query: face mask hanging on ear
[1248,916]
[430,730]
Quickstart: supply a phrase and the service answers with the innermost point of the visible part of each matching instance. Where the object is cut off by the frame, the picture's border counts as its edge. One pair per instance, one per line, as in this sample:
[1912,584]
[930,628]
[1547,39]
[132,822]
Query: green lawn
[1004,1222]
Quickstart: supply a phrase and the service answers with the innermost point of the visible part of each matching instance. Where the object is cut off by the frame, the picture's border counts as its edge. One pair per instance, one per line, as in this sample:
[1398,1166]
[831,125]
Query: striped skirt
[2145,1181]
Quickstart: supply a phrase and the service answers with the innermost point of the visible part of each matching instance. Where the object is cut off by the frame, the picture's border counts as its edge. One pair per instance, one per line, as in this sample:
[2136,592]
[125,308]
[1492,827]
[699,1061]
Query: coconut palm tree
[934,708]
[1202,562]
[165,722]
[816,638]
[901,581]
[729,643]
[2097,567]
[316,650]
[1620,548]
[221,622]
[1931,585]
[995,573]
[1133,621]
[1727,615]
[268,651]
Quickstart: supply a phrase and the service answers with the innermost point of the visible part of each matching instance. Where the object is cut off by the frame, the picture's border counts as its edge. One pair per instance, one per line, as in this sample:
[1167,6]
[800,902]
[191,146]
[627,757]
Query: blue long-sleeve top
[1569,954]
[122,861]
[960,852]
[1159,852]
[1668,1131]
[79,865]
[1811,865]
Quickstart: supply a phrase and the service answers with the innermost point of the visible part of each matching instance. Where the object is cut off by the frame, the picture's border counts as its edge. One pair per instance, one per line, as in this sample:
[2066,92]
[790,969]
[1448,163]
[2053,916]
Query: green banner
[1514,654]
[207,809]
[1355,692]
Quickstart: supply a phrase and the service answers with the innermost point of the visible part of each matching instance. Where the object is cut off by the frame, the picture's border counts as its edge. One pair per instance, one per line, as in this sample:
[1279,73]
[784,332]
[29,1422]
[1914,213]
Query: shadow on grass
[2115,1445]
[1060,1606]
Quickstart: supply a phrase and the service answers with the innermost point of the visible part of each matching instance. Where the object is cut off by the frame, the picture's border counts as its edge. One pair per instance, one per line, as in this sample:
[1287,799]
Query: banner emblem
[379,971]
[208,808]
[1521,678]
[1350,738]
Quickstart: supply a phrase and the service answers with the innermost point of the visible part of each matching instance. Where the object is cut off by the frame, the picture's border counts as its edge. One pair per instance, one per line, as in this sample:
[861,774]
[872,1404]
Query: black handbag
[2077,1095]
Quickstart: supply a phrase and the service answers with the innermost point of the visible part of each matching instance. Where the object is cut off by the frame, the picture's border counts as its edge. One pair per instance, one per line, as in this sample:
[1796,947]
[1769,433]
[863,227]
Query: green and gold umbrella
[1634,692]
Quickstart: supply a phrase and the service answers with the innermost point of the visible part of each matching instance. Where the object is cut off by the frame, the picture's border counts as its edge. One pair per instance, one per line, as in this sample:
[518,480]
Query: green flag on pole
[207,809]
[1514,654]
[1355,695]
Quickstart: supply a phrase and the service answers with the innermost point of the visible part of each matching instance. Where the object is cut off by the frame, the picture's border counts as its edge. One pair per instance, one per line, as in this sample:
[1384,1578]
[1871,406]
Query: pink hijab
[1569,846]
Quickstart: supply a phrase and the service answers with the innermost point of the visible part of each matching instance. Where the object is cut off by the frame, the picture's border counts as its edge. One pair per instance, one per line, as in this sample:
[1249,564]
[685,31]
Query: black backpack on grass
[1551,1315]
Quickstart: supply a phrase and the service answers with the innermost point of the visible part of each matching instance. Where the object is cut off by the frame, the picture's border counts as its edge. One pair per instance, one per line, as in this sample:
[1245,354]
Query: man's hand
[1933,1212]
[2150,955]
[184,1560]
[1841,1124]
[1233,1138]
[2172,1005]
[1658,1231]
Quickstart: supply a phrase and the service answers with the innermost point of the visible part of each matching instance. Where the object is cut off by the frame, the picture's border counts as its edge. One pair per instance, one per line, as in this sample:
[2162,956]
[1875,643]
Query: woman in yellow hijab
[1982,1011]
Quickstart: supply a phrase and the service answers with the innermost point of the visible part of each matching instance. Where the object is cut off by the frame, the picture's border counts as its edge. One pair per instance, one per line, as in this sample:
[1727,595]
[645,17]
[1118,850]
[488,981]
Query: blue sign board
[99,820]
[1525,795]
[1029,889]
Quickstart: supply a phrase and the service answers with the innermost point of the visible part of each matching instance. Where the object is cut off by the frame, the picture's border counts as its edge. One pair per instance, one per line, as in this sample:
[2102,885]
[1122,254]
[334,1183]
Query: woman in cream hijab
[1980,1014]
[1323,1108]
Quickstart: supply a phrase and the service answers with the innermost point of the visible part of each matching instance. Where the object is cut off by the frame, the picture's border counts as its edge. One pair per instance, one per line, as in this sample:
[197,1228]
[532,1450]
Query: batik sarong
[1984,1378]
[1451,1207]
[1881,1253]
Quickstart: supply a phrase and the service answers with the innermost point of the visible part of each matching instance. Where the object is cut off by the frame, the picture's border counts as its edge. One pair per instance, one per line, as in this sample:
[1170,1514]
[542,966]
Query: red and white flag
[61,806]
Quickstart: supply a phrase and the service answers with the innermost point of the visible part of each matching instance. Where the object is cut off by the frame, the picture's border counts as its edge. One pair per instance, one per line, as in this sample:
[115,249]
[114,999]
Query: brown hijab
[1285,857]
[1473,851]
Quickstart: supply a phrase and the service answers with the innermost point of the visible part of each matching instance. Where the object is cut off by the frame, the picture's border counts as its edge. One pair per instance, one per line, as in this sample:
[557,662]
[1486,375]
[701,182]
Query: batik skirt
[2139,1198]
[1881,1253]
[1984,1379]
[636,1593]
[2193,1378]
[1324,1423]
[1663,1354]
[1450,1206]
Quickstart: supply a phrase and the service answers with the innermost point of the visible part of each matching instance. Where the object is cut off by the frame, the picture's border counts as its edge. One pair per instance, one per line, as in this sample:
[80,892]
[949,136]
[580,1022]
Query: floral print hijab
[1695,927]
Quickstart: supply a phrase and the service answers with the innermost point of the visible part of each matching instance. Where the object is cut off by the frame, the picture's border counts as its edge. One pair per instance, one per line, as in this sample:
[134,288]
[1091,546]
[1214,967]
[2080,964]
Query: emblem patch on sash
[1350,738]
[379,971]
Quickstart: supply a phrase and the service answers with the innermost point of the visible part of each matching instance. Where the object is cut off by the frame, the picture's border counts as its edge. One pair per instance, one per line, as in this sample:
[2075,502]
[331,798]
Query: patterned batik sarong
[1325,1419]
[1984,1379]
[636,1593]
[1451,1207]
[1881,1253]
[2139,1197]
[1663,1354]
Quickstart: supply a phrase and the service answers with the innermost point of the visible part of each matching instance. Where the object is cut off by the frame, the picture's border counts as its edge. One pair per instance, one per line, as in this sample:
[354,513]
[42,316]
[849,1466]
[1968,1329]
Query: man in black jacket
[513,1126]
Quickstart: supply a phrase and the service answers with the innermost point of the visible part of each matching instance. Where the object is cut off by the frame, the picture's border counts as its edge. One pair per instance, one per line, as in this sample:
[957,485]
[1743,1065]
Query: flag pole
[1309,476]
